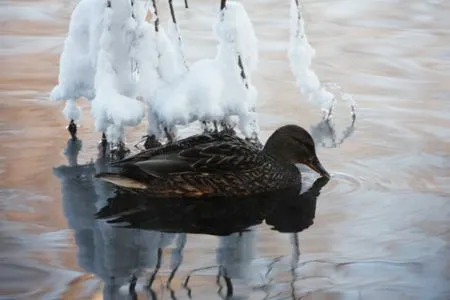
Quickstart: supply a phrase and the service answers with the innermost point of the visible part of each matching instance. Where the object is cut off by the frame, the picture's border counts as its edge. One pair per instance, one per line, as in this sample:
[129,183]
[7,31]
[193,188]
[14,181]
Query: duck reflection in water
[230,218]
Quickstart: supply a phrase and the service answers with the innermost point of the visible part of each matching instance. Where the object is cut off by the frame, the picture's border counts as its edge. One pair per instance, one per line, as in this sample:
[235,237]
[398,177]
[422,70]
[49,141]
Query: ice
[212,89]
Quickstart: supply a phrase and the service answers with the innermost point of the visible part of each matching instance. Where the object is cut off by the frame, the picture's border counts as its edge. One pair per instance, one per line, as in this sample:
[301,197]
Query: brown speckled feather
[208,165]
[176,147]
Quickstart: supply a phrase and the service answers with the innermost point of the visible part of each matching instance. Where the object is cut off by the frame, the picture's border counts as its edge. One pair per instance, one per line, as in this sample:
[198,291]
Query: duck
[219,164]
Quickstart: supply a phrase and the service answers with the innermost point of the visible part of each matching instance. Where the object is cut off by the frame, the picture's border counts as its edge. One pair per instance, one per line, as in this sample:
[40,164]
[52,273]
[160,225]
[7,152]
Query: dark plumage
[284,210]
[218,164]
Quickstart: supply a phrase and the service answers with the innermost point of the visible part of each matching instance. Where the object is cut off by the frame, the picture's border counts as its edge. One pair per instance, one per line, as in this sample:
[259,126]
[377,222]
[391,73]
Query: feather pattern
[218,164]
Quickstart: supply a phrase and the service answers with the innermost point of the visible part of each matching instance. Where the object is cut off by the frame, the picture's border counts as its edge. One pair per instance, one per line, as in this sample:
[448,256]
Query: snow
[144,57]
[79,56]
[173,32]
[72,111]
[114,57]
[170,67]
[115,105]
[211,89]
[109,57]
[234,28]
[301,54]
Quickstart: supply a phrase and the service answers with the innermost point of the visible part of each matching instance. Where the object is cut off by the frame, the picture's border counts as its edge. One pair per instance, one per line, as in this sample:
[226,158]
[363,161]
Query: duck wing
[230,155]
[207,156]
[205,165]
[173,148]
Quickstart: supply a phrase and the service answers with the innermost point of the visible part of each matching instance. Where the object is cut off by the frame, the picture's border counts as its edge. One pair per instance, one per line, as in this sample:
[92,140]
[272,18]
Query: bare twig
[132,11]
[155,8]
[180,41]
[243,76]
[172,12]
[223,4]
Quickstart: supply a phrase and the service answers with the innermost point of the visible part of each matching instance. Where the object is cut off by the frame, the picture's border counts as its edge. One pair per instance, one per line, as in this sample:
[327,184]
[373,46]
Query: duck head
[293,144]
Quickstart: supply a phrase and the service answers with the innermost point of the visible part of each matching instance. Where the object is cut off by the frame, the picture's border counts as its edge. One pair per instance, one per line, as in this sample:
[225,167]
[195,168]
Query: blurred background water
[382,226]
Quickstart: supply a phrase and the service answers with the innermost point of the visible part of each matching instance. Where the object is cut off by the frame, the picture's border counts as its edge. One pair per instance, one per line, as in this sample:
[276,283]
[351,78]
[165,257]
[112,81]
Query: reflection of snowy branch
[271,264]
[177,256]
[156,270]
[111,253]
[189,275]
[228,283]
[294,262]
[325,130]
[221,274]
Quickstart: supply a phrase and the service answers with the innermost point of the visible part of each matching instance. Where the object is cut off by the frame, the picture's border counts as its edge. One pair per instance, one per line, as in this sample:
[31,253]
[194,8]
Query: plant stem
[156,15]
[172,12]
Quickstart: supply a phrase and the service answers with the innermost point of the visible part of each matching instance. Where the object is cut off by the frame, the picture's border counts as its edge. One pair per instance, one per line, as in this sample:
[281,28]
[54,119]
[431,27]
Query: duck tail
[120,180]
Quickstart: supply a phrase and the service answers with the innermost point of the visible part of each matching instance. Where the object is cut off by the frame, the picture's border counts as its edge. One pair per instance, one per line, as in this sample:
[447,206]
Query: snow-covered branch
[115,105]
[212,89]
[77,66]
[301,54]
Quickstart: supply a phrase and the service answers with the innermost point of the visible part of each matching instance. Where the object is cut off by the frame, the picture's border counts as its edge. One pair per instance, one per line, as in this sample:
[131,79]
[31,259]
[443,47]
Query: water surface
[382,224]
